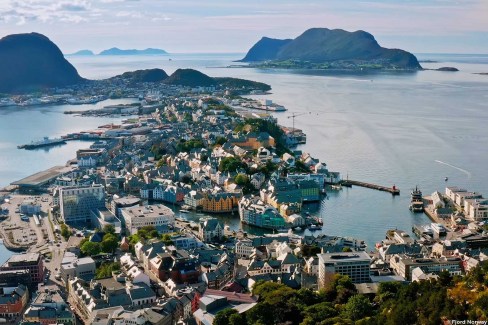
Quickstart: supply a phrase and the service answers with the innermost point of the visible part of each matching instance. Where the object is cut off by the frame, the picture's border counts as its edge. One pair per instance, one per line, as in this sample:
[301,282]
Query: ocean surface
[402,129]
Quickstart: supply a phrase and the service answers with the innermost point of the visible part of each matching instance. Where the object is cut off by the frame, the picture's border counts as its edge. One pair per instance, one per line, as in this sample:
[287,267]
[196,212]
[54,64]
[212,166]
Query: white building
[151,215]
[74,267]
[356,265]
[244,248]
[476,209]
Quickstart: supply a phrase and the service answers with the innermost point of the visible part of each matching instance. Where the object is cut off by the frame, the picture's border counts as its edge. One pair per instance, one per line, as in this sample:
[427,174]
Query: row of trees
[425,302]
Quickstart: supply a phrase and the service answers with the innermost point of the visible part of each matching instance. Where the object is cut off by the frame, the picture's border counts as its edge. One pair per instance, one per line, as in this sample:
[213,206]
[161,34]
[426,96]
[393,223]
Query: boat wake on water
[452,166]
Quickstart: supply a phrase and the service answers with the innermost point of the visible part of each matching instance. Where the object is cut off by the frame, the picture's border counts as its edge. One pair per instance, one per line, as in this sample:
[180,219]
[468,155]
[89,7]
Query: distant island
[82,53]
[322,48]
[31,61]
[117,51]
[148,51]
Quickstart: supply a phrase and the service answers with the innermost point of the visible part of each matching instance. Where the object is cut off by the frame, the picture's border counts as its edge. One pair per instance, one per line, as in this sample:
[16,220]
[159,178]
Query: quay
[393,190]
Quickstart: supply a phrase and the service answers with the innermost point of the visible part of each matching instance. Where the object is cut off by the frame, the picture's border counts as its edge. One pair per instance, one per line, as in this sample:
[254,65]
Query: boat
[42,143]
[313,227]
[298,229]
[446,179]
[336,187]
[416,201]
[184,211]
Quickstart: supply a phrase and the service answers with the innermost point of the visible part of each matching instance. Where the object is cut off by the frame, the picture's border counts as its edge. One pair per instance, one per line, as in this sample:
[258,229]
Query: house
[210,229]
[13,300]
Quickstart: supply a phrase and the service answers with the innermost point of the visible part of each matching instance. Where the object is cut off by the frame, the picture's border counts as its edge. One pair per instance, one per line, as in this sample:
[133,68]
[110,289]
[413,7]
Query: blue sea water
[388,128]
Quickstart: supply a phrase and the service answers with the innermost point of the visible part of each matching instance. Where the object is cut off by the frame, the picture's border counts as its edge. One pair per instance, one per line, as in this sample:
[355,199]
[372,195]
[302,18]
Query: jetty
[393,190]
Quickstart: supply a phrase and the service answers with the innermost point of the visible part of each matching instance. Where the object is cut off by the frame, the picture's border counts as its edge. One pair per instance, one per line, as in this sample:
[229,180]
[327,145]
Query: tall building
[353,264]
[76,203]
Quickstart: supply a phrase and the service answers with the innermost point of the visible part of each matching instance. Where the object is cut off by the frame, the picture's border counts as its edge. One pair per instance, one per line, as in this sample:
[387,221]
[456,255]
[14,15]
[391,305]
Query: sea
[389,128]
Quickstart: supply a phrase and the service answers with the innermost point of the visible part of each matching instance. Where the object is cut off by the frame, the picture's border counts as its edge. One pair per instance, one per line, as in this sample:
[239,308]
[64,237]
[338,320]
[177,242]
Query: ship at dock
[416,200]
[42,143]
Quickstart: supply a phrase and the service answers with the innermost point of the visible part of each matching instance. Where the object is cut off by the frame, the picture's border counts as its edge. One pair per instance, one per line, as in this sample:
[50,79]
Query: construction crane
[293,115]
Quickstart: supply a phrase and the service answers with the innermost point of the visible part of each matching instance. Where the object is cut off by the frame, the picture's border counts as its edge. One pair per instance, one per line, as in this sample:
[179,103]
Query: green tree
[65,232]
[220,141]
[231,164]
[108,229]
[90,248]
[109,243]
[237,319]
[241,179]
[105,270]
[316,313]
[357,307]
[222,317]
[166,238]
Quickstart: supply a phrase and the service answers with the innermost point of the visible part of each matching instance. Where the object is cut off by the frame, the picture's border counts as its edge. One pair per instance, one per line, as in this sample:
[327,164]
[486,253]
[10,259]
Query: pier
[393,190]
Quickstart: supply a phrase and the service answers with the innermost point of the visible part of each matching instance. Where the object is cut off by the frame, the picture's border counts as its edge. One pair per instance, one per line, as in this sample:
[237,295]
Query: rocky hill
[148,75]
[190,78]
[322,45]
[30,62]
[265,49]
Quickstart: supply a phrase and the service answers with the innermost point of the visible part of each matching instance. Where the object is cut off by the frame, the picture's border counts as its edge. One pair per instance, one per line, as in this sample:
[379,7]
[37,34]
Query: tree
[241,179]
[105,270]
[231,164]
[166,238]
[65,232]
[357,307]
[109,229]
[90,248]
[316,313]
[220,141]
[109,243]
[222,317]
[237,319]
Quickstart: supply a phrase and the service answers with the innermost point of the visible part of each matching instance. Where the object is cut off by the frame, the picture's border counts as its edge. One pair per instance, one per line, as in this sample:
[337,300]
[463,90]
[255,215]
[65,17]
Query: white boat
[184,211]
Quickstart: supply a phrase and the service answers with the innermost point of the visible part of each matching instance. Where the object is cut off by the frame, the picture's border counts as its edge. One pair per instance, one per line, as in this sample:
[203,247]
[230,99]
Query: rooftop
[41,178]
[24,258]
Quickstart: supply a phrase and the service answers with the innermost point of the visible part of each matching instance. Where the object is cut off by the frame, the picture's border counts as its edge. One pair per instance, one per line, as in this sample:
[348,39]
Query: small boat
[184,211]
[313,227]
[446,179]
[298,229]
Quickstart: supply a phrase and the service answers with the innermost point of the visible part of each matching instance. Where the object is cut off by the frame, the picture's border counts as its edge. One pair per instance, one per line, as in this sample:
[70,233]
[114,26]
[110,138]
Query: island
[82,53]
[322,48]
[148,51]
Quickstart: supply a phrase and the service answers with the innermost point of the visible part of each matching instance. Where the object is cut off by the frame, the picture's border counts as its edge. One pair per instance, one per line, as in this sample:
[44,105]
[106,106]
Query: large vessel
[42,143]
[416,201]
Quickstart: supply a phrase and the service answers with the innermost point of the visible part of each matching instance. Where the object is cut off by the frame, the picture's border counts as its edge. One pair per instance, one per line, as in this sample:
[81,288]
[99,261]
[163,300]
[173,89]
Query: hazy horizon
[220,26]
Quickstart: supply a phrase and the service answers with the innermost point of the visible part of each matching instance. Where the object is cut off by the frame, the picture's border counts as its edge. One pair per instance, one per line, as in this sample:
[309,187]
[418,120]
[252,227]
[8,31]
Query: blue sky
[453,26]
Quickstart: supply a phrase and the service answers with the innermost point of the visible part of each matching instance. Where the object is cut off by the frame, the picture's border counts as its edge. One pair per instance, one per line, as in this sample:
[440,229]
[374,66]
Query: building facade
[76,203]
[356,265]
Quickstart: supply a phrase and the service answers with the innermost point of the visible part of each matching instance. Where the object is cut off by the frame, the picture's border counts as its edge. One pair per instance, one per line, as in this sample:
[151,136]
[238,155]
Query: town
[106,239]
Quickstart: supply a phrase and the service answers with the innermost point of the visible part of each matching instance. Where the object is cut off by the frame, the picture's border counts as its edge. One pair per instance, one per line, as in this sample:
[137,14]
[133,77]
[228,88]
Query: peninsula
[322,48]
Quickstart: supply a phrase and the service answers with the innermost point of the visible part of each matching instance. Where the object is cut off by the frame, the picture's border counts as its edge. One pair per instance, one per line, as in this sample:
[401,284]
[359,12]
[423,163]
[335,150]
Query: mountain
[82,53]
[149,75]
[322,45]
[265,49]
[117,51]
[31,62]
[190,78]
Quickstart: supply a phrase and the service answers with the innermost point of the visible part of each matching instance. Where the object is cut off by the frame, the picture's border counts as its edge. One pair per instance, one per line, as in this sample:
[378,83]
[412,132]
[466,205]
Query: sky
[228,26]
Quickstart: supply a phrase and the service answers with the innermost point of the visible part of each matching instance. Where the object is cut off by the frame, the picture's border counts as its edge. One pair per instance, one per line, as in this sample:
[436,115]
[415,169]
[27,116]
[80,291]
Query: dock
[393,190]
